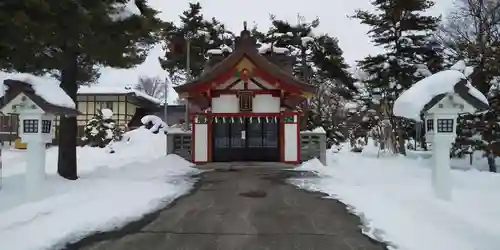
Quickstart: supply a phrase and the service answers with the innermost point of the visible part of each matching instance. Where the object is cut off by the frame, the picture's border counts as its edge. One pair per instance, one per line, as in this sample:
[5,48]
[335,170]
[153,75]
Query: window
[430,124]
[81,131]
[46,126]
[245,100]
[104,105]
[7,123]
[30,126]
[445,125]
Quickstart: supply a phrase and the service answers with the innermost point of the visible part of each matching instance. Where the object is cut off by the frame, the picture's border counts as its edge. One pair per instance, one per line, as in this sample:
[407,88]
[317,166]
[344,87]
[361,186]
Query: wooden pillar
[298,137]
[193,139]
[210,135]
[282,136]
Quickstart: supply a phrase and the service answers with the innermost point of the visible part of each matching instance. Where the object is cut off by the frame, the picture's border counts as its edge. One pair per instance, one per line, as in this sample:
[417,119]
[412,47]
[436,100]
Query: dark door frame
[261,140]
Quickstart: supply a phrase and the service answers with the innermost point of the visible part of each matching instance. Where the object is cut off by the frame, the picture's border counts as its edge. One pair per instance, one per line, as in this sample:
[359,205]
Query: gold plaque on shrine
[245,100]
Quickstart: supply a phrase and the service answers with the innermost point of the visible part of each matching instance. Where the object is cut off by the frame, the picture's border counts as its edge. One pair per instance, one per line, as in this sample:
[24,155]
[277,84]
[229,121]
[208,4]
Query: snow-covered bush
[154,123]
[102,129]
[358,145]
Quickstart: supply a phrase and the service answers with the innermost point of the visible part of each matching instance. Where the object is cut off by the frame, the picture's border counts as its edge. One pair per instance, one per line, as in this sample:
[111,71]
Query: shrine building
[243,107]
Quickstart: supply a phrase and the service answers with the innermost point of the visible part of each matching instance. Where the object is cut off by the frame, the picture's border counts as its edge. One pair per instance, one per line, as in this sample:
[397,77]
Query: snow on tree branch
[122,11]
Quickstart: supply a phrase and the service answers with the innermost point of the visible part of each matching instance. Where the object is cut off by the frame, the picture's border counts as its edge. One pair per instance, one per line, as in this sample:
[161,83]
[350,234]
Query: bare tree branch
[153,86]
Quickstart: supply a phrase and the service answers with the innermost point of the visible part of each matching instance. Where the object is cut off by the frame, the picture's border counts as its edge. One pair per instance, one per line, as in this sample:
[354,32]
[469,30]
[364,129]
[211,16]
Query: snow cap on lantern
[439,98]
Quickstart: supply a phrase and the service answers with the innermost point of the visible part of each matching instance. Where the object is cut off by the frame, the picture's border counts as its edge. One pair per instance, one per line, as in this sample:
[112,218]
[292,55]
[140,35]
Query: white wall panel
[291,142]
[201,142]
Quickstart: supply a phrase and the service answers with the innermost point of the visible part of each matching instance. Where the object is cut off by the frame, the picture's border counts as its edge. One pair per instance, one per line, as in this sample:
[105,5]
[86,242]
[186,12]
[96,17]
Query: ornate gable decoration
[244,69]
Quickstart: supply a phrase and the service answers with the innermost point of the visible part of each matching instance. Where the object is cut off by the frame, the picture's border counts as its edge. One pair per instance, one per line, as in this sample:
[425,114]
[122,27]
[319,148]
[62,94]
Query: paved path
[248,209]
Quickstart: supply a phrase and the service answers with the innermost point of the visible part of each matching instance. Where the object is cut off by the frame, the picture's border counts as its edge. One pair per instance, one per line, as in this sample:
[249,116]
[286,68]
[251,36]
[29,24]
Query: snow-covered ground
[393,197]
[113,189]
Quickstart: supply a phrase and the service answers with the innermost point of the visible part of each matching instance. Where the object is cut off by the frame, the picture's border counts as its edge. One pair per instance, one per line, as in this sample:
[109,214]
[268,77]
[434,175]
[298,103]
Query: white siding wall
[201,143]
[449,106]
[225,104]
[266,104]
[291,142]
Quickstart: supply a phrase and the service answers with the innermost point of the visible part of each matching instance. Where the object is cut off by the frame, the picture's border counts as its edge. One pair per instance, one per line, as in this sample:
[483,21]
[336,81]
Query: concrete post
[322,148]
[35,166]
[170,143]
[441,172]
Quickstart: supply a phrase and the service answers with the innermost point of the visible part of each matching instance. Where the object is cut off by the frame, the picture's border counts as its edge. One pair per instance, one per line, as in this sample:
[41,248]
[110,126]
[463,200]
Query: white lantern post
[440,98]
[35,129]
[441,132]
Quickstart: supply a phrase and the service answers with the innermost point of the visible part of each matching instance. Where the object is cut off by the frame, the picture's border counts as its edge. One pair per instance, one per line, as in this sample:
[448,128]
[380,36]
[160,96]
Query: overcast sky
[333,15]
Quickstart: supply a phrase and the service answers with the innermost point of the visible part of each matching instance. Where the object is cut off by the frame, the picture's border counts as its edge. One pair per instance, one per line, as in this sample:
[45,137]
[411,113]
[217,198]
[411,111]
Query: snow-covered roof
[109,90]
[44,87]
[411,103]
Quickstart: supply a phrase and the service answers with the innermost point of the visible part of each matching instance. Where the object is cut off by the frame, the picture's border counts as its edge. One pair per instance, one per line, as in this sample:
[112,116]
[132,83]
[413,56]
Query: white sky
[332,13]
[333,17]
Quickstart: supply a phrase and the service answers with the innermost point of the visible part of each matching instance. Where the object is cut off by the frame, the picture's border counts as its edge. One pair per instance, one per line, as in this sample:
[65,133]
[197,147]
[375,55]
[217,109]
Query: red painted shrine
[244,106]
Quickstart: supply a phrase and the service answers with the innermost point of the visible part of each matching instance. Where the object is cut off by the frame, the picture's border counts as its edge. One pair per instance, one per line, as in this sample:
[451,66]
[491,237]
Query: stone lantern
[440,116]
[36,124]
[440,98]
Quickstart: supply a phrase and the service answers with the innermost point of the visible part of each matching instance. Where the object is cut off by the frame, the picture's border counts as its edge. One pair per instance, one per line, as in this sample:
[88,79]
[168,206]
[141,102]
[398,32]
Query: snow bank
[393,197]
[101,202]
[113,190]
[137,146]
[413,100]
[317,130]
[44,86]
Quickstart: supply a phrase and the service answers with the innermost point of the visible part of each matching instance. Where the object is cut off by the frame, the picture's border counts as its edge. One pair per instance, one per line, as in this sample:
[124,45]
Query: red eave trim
[273,92]
[278,83]
[204,86]
[244,114]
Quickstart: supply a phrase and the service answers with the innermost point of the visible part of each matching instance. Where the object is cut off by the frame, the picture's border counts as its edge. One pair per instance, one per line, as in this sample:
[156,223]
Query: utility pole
[188,78]
[165,109]
[305,74]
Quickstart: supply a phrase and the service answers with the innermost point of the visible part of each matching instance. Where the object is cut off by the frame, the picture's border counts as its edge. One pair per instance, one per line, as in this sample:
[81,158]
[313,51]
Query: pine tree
[471,33]
[318,61]
[101,130]
[70,38]
[411,53]
[201,34]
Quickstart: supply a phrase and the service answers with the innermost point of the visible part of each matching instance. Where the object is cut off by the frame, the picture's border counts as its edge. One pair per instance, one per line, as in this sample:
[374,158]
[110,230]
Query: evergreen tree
[201,34]
[71,37]
[471,33]
[319,61]
[314,53]
[101,130]
[410,54]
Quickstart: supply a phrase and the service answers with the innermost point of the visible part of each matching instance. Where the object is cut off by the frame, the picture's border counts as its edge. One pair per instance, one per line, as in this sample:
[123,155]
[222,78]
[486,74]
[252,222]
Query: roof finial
[244,25]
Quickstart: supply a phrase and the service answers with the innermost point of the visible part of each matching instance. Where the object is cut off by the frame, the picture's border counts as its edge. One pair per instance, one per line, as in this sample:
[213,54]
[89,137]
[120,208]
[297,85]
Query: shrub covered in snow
[154,123]
[102,129]
[358,145]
